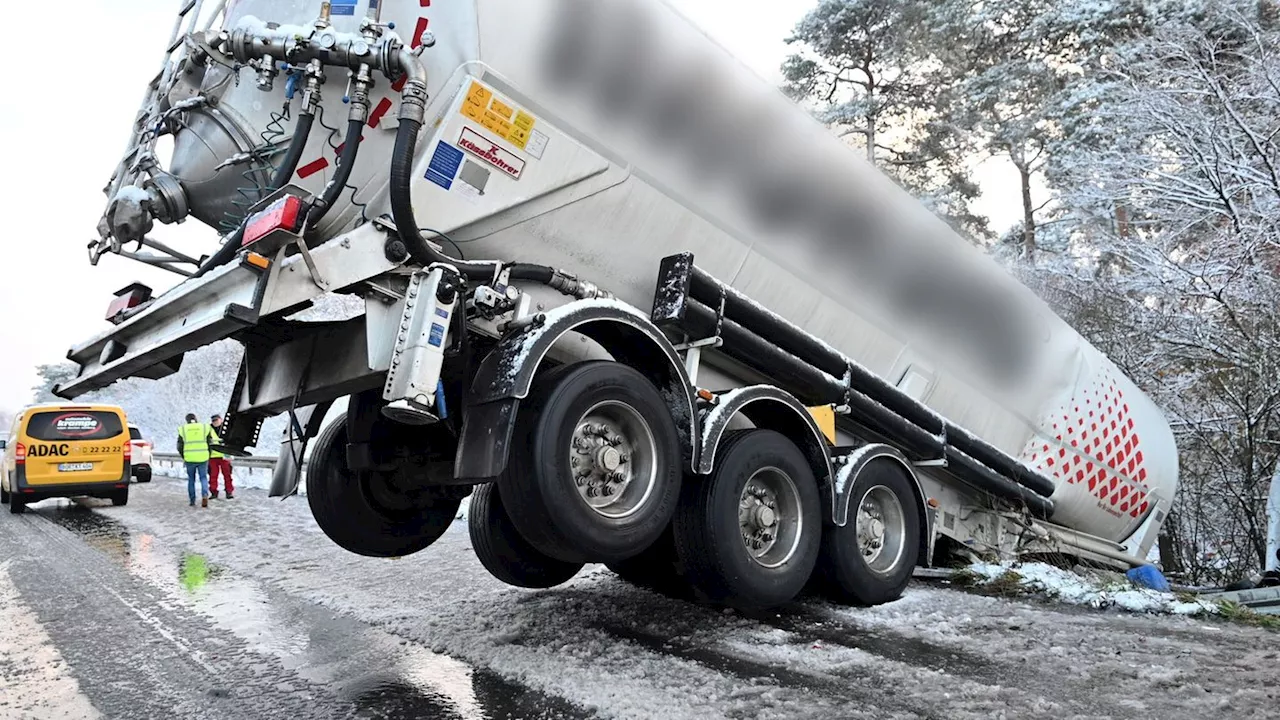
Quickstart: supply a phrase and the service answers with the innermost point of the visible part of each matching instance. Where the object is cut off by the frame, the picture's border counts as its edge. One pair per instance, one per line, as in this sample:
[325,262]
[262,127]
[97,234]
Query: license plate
[74,467]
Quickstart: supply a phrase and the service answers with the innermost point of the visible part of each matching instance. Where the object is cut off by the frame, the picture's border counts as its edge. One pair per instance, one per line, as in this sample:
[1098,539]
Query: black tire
[847,575]
[374,514]
[708,534]
[656,568]
[120,497]
[4,496]
[143,475]
[503,550]
[17,505]
[540,478]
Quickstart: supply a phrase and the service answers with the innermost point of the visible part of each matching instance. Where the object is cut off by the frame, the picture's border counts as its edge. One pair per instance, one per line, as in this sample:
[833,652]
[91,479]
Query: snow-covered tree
[866,69]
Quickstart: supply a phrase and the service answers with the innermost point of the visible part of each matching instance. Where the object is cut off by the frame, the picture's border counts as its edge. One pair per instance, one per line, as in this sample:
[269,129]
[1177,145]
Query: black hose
[301,132]
[402,206]
[351,144]
[536,273]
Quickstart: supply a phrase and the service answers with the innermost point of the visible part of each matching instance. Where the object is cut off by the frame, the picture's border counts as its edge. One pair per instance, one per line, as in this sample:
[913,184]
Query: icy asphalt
[245,610]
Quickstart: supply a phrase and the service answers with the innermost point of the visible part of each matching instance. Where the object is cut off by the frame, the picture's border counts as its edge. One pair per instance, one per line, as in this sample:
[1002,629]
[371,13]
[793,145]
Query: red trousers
[220,466]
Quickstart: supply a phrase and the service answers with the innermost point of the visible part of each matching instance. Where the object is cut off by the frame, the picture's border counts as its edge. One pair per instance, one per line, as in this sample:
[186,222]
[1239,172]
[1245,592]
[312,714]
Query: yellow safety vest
[195,442]
[216,441]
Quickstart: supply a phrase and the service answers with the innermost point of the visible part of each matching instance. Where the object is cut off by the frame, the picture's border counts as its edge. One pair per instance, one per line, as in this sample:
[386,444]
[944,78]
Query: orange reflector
[257,260]
[706,394]
[933,503]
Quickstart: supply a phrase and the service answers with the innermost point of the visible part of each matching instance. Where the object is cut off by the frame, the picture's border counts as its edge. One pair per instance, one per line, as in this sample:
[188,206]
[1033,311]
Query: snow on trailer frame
[612,140]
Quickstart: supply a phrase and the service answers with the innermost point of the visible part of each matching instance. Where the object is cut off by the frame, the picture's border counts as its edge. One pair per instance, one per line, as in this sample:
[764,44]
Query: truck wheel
[595,466]
[120,497]
[143,475]
[376,514]
[748,535]
[656,568]
[17,505]
[504,552]
[869,560]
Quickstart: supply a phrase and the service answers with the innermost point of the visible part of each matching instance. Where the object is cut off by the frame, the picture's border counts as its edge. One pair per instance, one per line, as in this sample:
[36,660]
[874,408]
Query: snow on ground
[616,651]
[34,679]
[1074,589]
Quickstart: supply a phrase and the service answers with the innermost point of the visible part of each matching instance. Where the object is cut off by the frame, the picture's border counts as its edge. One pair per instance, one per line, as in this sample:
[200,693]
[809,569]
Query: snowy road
[245,610]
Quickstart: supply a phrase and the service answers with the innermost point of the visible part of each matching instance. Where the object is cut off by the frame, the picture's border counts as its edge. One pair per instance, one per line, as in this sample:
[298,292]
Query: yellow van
[66,451]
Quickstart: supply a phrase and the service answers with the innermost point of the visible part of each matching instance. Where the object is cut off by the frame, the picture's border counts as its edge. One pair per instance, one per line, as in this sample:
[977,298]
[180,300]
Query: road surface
[245,610]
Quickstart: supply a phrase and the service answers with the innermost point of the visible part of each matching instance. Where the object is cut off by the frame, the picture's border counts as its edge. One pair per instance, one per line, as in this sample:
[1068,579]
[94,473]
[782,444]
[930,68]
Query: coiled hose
[283,174]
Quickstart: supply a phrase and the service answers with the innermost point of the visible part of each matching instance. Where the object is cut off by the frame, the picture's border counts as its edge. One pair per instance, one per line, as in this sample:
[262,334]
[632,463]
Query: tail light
[20,454]
[283,214]
[129,297]
[128,451]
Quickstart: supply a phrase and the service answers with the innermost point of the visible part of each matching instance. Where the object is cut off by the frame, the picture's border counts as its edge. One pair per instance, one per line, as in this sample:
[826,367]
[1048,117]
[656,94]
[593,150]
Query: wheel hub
[881,529]
[769,517]
[611,451]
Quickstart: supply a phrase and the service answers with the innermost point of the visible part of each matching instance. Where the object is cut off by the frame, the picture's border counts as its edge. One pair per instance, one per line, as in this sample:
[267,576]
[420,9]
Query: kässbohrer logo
[76,424]
[496,155]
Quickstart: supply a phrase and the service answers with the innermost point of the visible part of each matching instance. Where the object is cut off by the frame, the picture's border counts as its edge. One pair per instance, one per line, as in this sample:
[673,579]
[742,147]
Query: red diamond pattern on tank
[1104,449]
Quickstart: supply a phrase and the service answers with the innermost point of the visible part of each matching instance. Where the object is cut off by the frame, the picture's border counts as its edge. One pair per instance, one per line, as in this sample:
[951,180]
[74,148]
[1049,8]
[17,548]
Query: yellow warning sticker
[502,109]
[479,95]
[507,122]
[518,137]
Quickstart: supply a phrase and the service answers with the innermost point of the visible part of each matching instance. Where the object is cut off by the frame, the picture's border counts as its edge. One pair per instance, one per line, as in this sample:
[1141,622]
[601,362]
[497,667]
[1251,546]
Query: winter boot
[204,502]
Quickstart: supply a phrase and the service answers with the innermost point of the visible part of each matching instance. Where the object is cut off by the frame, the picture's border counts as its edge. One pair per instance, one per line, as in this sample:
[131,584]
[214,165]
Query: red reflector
[28,490]
[120,485]
[284,213]
[129,297]
[20,454]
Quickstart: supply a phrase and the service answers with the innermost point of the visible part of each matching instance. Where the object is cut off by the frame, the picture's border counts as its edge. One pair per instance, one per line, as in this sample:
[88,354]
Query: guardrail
[260,463]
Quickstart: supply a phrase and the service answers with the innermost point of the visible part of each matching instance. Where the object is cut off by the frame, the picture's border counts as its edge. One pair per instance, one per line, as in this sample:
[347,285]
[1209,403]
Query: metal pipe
[177,256]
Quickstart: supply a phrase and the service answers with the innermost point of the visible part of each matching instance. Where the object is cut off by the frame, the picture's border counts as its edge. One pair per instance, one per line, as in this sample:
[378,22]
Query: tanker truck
[637,305]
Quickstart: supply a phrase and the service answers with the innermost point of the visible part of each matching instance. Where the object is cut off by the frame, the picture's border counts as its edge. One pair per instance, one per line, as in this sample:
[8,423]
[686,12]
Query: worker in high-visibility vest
[193,445]
[218,464]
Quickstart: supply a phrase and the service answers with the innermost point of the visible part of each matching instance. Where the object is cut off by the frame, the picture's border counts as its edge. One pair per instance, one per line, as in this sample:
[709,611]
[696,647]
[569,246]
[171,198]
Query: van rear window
[135,433]
[74,425]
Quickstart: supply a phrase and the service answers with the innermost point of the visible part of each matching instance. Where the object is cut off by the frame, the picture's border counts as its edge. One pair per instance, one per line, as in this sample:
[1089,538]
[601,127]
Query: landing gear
[869,560]
[374,512]
[595,466]
[748,535]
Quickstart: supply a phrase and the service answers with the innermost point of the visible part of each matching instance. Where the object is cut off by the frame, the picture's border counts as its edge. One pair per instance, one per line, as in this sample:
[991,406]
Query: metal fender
[770,408]
[854,463]
[506,375]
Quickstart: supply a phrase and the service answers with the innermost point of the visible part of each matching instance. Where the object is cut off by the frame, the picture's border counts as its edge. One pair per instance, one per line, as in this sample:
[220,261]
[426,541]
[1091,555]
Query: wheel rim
[769,517]
[882,529]
[613,455]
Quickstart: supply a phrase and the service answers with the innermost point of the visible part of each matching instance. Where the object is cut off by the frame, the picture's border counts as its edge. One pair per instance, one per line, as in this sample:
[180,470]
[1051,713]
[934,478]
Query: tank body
[599,137]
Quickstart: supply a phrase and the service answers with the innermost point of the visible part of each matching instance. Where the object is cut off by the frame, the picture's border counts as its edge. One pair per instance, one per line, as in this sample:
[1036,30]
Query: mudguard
[770,408]
[854,463]
[506,375]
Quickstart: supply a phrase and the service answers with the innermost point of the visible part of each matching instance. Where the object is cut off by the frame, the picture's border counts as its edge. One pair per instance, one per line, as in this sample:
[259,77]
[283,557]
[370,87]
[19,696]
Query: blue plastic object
[1148,576]
[444,411]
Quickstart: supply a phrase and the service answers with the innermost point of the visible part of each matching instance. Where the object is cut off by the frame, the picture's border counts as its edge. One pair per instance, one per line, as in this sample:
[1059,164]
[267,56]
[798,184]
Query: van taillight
[128,451]
[20,454]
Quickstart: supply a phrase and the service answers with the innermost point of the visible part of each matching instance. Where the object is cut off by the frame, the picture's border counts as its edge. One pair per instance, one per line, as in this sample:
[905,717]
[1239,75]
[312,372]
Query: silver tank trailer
[600,137]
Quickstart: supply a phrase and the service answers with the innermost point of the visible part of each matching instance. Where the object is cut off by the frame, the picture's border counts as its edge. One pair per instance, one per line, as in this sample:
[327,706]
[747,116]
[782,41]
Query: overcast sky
[65,124]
